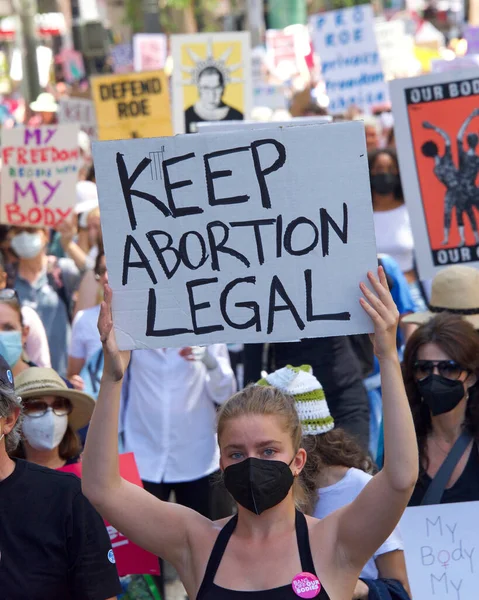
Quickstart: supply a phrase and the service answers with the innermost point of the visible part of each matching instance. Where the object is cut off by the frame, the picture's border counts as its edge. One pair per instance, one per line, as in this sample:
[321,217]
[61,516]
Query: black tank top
[210,591]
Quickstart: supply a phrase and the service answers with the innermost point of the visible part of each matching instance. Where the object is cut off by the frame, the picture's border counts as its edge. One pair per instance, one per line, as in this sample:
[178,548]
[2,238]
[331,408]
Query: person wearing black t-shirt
[441,370]
[53,543]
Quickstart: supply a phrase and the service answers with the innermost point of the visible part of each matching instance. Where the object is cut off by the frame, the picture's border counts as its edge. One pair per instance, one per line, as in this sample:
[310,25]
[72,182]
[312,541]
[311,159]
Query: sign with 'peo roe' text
[39,174]
[440,549]
[249,236]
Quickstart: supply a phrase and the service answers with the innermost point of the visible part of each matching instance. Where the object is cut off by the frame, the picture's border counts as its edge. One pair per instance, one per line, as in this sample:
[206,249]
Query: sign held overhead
[251,236]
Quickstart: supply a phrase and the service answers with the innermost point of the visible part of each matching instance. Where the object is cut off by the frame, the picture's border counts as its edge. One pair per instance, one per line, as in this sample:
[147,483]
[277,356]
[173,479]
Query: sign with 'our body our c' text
[346,44]
[39,174]
[440,550]
[133,105]
[249,236]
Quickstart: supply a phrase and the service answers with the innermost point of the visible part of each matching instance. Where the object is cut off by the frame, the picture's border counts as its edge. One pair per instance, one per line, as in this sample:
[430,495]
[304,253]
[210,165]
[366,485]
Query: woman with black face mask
[269,549]
[391,218]
[441,368]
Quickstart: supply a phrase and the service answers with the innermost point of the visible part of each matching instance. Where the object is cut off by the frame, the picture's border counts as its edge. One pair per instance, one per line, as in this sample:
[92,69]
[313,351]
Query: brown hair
[70,447]
[265,400]
[15,304]
[336,448]
[459,340]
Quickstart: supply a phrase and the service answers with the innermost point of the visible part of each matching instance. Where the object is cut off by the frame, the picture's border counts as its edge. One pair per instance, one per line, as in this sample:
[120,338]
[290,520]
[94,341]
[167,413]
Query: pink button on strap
[306,585]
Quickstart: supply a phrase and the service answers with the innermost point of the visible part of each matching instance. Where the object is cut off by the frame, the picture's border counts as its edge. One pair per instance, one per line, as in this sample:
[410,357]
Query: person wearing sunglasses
[441,369]
[53,543]
[53,414]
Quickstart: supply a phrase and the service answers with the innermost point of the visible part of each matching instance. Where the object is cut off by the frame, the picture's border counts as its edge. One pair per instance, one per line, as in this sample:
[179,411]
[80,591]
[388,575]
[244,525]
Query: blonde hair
[265,400]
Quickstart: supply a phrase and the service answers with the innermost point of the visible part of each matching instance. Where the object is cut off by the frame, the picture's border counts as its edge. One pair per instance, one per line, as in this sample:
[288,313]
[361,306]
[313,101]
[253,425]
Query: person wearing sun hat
[46,108]
[53,543]
[455,290]
[336,471]
[53,414]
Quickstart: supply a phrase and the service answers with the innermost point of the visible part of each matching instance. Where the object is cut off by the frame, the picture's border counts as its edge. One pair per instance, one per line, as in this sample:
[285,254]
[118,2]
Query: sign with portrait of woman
[211,80]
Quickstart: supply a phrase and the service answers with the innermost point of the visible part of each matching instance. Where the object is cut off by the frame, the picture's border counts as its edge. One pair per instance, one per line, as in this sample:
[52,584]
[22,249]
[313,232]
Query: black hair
[472,140]
[373,156]
[90,174]
[430,149]
[212,71]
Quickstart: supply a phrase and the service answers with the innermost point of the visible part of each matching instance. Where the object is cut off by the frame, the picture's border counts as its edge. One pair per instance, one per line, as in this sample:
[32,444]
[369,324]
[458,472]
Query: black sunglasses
[446,368]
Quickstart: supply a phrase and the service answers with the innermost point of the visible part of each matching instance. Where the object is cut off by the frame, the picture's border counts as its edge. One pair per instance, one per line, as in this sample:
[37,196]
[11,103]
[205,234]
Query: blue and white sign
[346,44]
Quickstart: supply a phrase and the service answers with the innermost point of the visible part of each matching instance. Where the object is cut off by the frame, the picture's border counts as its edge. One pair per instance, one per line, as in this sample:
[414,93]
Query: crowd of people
[319,447]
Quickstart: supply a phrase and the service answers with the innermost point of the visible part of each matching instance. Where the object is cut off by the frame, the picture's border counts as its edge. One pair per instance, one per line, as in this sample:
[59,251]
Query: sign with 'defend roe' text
[39,174]
[247,236]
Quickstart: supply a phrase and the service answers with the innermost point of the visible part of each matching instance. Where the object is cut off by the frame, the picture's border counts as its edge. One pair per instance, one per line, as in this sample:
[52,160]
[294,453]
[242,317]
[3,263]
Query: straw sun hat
[37,382]
[454,290]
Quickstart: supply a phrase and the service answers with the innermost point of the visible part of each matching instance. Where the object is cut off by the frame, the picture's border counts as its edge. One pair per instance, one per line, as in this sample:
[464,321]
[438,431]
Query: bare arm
[465,125]
[75,365]
[363,525]
[392,565]
[162,528]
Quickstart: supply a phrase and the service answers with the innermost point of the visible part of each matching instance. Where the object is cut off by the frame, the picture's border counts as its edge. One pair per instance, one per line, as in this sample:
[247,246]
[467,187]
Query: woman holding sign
[269,549]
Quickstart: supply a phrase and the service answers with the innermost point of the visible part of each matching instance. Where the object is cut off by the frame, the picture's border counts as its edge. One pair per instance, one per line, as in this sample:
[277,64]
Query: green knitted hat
[309,395]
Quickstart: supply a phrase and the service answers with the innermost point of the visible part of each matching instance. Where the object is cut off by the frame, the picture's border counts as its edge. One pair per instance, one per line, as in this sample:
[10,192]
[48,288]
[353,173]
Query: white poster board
[39,174]
[440,195]
[80,111]
[345,42]
[440,550]
[211,79]
[248,236]
[239,125]
[396,48]
[149,51]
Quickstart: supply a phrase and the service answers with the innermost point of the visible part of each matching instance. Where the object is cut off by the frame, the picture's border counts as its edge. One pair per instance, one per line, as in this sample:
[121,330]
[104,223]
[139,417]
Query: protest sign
[121,57]
[440,550]
[72,65]
[396,49]
[248,236]
[149,51]
[435,118]
[471,35]
[271,96]
[78,110]
[211,80]
[241,125]
[134,105]
[130,559]
[470,61]
[345,42]
[39,174]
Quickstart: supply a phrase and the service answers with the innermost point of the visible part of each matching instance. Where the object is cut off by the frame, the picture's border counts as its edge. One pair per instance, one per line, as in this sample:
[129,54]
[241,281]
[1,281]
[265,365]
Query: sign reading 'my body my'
[245,236]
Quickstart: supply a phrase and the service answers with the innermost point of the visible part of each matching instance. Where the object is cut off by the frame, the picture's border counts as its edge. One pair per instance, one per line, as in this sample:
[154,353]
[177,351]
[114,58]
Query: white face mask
[45,432]
[27,245]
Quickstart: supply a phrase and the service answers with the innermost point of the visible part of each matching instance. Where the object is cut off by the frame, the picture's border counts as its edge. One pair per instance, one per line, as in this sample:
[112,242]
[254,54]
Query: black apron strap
[216,555]
[437,486]
[302,536]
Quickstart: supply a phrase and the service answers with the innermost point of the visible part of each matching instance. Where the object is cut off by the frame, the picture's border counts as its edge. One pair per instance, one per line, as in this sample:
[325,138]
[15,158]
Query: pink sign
[130,559]
[149,51]
[306,585]
[72,63]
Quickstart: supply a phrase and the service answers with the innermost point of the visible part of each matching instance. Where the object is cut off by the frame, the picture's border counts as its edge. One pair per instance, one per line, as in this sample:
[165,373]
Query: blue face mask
[11,346]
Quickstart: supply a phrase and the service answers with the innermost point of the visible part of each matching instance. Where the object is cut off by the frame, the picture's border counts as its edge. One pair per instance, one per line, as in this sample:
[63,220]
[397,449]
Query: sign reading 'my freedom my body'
[249,236]
[39,174]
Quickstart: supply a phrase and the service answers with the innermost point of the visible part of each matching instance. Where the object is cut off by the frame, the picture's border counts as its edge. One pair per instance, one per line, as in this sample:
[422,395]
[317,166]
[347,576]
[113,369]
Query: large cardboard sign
[436,122]
[440,549]
[39,174]
[149,51]
[81,111]
[211,80]
[345,42]
[130,559]
[242,125]
[134,105]
[248,236]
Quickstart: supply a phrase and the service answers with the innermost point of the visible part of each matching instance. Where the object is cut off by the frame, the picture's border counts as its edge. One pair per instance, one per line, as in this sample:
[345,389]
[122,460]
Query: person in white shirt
[85,340]
[335,474]
[169,407]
